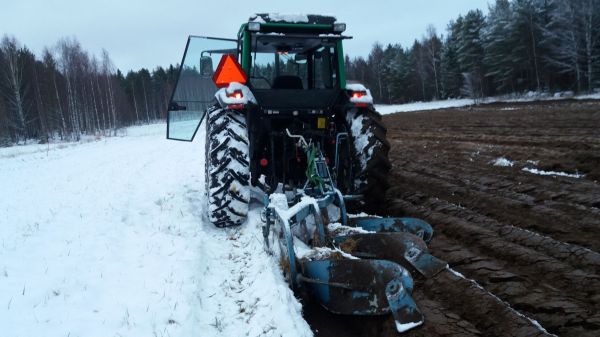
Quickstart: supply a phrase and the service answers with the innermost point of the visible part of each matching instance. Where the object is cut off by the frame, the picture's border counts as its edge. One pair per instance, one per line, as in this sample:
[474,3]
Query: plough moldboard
[350,265]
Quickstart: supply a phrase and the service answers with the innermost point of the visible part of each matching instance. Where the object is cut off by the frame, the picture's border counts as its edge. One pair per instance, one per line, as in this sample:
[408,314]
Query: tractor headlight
[339,27]
[254,26]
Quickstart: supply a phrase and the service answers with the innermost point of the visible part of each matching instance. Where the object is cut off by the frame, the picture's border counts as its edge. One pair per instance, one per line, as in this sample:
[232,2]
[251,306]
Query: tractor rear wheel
[371,164]
[227,167]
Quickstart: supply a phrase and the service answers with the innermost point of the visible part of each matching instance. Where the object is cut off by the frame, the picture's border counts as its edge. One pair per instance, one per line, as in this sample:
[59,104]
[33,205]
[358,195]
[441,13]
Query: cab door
[194,90]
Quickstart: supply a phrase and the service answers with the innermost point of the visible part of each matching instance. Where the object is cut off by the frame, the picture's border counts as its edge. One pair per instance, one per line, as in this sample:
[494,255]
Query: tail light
[236,94]
[358,94]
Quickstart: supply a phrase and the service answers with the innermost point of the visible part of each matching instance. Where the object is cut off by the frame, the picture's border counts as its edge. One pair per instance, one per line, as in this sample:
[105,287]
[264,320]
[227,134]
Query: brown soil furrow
[523,213]
[489,315]
[563,213]
[576,256]
[531,240]
[507,138]
[491,243]
[562,192]
[527,280]
[552,306]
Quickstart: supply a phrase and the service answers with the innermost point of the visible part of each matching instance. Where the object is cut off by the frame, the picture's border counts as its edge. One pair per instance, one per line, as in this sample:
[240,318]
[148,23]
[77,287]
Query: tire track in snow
[241,285]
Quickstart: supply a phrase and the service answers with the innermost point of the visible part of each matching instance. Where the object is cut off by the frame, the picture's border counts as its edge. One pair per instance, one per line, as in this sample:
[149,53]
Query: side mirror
[206,66]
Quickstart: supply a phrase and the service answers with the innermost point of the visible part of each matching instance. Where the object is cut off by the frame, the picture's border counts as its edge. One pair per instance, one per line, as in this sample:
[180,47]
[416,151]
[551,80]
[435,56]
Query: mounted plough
[351,265]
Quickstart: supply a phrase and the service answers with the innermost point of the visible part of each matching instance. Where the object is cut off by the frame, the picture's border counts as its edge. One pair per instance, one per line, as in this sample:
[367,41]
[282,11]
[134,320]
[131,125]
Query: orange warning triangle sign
[229,70]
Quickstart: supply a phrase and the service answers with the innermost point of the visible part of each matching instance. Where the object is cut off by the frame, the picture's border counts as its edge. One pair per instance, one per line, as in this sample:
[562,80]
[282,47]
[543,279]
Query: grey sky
[148,33]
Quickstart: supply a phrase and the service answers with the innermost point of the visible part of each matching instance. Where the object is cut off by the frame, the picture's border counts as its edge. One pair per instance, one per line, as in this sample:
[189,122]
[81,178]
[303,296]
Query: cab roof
[292,18]
[293,24]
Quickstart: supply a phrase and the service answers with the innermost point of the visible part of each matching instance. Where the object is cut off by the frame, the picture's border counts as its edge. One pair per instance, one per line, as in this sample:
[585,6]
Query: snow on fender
[229,95]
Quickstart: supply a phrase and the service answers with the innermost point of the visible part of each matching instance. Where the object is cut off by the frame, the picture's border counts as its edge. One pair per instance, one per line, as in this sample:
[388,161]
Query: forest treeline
[519,46]
[66,93]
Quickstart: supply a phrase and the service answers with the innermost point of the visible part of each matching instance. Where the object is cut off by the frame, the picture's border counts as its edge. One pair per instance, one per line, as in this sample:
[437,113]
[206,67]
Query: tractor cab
[294,66]
[291,67]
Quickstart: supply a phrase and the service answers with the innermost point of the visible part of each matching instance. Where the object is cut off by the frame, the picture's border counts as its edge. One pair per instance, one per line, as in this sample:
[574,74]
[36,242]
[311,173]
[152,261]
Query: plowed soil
[522,248]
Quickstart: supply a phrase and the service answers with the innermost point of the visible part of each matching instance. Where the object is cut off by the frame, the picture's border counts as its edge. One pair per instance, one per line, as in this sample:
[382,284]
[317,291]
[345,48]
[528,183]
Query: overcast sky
[147,33]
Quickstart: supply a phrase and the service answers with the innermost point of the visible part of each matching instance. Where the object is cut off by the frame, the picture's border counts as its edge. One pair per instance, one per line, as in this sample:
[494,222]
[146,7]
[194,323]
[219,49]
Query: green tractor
[283,75]
[284,127]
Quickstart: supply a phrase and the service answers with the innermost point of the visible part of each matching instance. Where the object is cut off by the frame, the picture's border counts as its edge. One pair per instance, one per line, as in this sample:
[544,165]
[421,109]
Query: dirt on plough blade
[512,192]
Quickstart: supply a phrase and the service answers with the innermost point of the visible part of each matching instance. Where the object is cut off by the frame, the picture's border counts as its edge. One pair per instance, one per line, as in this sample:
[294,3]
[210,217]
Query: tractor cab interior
[293,62]
[307,64]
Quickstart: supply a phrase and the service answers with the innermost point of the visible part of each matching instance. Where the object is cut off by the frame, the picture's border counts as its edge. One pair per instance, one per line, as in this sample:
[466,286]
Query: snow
[301,249]
[276,17]
[247,96]
[257,18]
[407,326]
[109,238]
[501,161]
[553,173]
[589,96]
[355,87]
[362,215]
[339,230]
[386,109]
[361,142]
[304,252]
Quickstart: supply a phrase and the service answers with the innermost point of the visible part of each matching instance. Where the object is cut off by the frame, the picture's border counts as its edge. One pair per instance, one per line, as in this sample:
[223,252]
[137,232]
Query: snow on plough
[284,128]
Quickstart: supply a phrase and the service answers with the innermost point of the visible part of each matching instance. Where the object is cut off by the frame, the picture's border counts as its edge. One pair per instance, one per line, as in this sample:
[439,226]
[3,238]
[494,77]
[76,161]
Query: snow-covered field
[109,238]
[386,109]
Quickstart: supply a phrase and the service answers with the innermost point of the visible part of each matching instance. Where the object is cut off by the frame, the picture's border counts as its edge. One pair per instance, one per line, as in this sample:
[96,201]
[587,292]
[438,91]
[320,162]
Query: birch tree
[561,35]
[107,70]
[12,74]
[432,46]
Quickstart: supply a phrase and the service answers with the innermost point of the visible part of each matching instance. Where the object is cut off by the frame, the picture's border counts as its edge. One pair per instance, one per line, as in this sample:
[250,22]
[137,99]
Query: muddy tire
[227,167]
[371,162]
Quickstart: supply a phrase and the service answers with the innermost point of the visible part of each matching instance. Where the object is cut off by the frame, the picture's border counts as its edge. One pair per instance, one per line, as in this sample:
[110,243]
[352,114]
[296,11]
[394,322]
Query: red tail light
[358,94]
[236,94]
